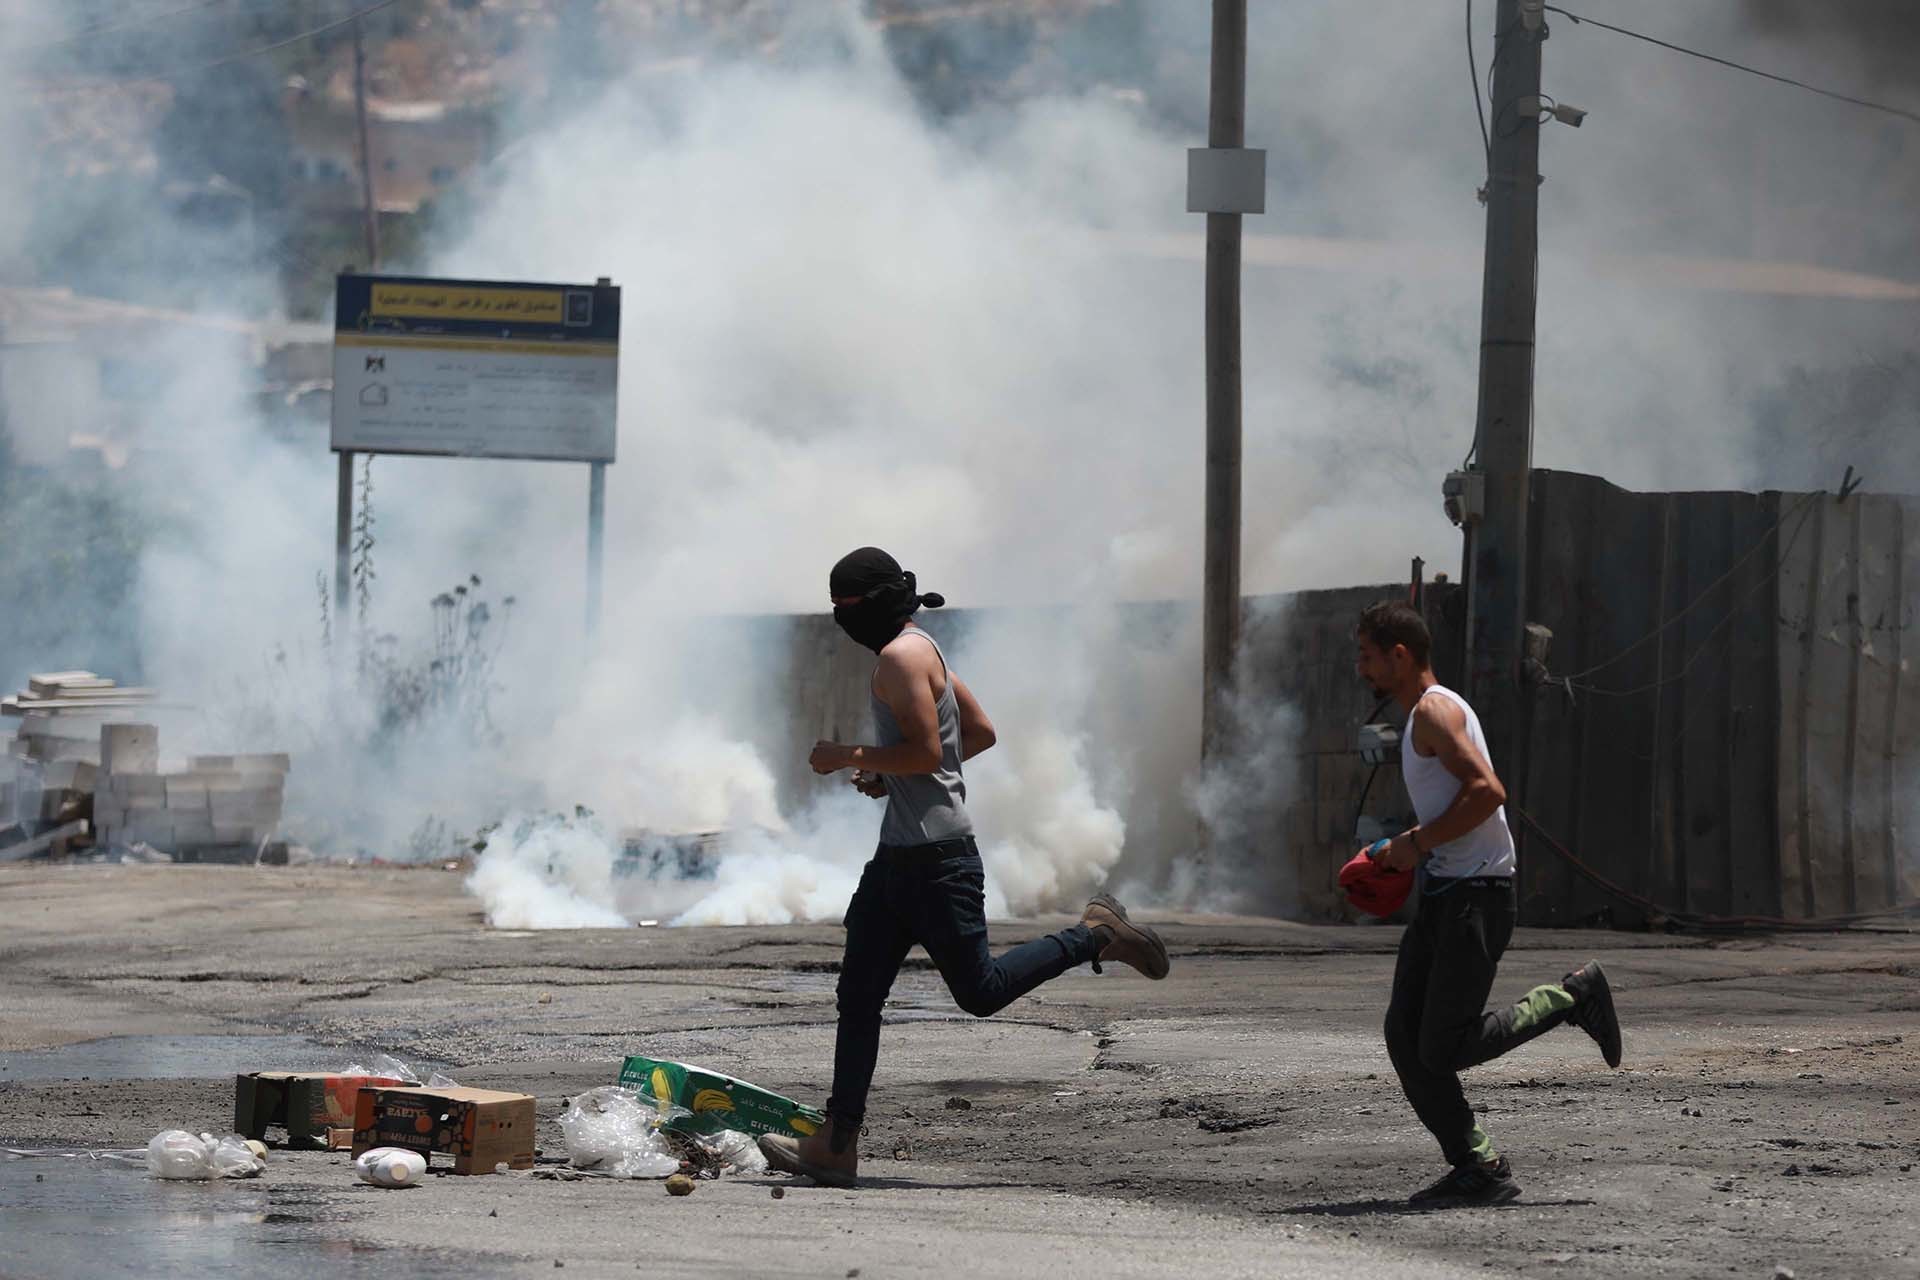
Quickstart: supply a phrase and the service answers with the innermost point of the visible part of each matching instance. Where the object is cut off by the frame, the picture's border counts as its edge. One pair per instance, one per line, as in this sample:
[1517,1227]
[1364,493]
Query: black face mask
[888,597]
[878,618]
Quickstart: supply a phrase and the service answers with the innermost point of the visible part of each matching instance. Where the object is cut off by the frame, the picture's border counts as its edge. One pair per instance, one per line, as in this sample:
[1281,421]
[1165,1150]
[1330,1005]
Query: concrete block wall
[216,800]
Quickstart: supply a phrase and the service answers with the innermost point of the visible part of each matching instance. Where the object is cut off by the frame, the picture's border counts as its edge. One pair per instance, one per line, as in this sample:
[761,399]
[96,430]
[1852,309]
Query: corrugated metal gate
[1726,731]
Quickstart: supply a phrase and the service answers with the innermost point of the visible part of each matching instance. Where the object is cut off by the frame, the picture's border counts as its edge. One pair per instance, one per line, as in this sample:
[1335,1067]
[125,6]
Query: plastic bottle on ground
[390,1167]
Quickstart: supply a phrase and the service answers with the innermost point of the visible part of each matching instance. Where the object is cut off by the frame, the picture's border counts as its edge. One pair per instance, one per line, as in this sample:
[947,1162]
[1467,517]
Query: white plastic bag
[611,1131]
[177,1155]
[390,1167]
[736,1151]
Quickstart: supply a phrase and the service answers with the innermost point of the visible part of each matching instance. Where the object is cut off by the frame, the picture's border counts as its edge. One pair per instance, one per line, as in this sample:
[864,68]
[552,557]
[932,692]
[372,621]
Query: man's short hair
[1393,622]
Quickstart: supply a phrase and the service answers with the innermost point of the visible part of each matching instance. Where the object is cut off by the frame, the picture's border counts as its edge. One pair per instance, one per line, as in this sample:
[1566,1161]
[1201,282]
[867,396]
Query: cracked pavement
[1240,1117]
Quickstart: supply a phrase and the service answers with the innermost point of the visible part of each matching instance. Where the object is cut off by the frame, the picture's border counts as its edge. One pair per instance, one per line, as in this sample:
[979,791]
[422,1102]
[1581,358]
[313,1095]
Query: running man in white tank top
[925,883]
[1437,1021]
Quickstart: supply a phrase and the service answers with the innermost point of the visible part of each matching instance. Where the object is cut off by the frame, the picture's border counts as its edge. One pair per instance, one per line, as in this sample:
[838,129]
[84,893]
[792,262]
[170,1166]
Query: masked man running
[1437,1023]
[925,882]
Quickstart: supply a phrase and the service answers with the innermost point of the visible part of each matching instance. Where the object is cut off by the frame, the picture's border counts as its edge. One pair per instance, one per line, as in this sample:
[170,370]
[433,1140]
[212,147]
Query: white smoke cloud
[846,322]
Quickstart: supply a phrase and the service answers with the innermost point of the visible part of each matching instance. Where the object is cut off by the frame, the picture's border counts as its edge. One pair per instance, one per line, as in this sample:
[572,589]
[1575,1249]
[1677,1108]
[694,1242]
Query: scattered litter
[734,1152]
[142,852]
[484,1130]
[175,1154]
[315,1108]
[383,1064]
[390,1167]
[609,1130]
[137,1155]
[707,1102]
[679,1185]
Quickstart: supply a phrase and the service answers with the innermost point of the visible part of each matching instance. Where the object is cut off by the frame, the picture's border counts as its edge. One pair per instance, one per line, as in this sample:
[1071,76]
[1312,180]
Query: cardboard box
[307,1104]
[717,1101]
[480,1128]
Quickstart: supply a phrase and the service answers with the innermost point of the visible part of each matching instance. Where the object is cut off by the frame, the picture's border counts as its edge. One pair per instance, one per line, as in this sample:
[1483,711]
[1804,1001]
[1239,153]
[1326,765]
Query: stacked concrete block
[129,748]
[245,795]
[130,796]
[218,800]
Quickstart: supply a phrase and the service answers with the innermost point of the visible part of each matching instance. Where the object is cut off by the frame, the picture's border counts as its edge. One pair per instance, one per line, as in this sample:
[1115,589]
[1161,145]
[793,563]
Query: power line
[244,54]
[1902,112]
[1802,508]
[1473,71]
[105,28]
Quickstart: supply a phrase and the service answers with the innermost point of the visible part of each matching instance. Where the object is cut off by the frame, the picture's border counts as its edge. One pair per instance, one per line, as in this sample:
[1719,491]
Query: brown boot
[830,1157]
[1123,941]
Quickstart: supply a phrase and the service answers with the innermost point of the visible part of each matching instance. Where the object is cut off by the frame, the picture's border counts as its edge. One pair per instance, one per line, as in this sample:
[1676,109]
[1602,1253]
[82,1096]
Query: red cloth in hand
[1372,887]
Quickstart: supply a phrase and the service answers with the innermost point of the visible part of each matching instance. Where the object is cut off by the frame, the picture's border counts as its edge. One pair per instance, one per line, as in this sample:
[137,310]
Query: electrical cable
[1360,809]
[1473,71]
[1870,105]
[123,24]
[1701,920]
[1705,643]
[242,56]
[1758,546]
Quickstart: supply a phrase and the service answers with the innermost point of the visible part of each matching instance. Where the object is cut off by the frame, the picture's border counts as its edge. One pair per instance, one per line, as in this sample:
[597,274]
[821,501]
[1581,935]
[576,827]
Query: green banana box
[717,1102]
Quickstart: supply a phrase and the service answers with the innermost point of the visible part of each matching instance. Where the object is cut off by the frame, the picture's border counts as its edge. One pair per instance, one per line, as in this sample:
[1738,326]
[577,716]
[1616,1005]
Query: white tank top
[1487,850]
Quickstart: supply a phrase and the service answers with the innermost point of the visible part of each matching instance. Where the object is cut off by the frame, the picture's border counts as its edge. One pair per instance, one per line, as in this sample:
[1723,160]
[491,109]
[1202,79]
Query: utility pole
[370,213]
[1209,192]
[1497,546]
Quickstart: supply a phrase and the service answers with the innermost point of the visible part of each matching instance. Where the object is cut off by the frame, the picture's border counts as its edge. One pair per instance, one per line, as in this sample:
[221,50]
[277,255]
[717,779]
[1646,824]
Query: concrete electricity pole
[370,212]
[1223,181]
[1497,545]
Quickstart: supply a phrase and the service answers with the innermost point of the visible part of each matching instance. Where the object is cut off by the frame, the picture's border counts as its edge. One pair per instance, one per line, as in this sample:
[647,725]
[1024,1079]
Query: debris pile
[53,761]
[77,772]
[218,804]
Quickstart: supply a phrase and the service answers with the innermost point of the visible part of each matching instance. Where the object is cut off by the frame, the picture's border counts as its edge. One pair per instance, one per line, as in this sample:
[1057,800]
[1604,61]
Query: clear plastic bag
[383,1064]
[176,1155]
[611,1131]
[390,1167]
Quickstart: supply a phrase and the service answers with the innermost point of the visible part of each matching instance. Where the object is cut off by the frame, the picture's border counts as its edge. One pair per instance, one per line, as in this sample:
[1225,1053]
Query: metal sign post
[475,369]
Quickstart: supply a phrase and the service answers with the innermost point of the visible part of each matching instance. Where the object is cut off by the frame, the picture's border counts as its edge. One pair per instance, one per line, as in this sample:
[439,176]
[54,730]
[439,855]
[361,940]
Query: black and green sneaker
[1592,1008]
[1477,1182]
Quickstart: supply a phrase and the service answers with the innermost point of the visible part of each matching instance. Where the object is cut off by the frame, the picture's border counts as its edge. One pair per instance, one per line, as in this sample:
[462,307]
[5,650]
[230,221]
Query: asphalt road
[1239,1118]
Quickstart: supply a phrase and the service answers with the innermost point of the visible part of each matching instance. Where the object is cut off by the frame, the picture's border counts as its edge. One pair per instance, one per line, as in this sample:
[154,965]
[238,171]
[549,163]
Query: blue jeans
[930,894]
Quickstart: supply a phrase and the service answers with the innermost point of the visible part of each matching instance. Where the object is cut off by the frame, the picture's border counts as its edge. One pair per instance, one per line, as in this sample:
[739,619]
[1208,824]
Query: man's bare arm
[1441,726]
[976,731]
[904,680]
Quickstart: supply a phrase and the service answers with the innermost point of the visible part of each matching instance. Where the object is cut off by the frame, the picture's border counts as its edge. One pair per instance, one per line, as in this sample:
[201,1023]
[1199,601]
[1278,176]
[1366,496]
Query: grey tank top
[925,807]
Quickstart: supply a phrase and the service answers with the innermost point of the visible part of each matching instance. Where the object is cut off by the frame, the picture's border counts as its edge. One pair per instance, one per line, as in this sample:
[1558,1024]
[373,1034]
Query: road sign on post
[477,369]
